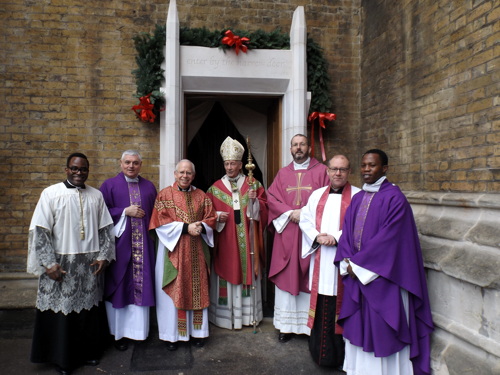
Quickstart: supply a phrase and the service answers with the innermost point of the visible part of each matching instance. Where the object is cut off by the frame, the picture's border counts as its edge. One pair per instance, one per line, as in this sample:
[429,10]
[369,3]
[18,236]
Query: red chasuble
[232,260]
[290,190]
[187,266]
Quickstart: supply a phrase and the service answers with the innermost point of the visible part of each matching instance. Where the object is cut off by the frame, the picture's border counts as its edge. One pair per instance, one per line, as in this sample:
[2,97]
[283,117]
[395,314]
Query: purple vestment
[372,315]
[130,279]
[290,190]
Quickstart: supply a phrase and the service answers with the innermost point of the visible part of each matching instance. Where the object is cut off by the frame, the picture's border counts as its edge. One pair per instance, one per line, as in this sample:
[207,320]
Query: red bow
[322,116]
[144,110]
[230,39]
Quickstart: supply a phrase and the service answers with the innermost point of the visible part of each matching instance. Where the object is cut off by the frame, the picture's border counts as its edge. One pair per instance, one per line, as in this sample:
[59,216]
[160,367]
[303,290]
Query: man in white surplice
[321,225]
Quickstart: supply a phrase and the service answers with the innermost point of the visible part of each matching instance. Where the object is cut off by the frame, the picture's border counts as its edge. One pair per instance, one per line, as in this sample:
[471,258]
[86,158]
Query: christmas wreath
[149,73]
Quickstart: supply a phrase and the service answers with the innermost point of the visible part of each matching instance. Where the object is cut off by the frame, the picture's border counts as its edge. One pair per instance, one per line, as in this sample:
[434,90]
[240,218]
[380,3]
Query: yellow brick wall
[66,86]
[418,79]
[430,92]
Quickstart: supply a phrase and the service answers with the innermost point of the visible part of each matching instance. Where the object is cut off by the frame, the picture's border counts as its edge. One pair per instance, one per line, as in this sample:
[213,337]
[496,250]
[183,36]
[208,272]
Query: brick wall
[416,78]
[66,85]
[430,92]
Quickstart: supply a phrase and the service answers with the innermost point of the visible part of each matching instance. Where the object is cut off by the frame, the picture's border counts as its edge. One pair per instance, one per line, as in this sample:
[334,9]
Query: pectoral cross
[297,189]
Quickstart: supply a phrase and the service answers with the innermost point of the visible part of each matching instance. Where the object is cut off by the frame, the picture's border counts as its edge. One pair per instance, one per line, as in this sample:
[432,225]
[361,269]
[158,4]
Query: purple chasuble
[290,190]
[380,234]
[130,279]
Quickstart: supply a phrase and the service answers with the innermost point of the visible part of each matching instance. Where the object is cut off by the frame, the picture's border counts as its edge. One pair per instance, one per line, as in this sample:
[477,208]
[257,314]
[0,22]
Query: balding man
[183,218]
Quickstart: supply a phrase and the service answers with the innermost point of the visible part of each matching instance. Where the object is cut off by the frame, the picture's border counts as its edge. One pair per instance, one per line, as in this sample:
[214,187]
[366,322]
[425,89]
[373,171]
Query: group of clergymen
[346,262]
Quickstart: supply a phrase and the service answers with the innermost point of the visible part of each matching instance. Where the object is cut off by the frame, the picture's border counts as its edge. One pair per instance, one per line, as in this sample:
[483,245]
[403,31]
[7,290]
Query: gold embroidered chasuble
[187,266]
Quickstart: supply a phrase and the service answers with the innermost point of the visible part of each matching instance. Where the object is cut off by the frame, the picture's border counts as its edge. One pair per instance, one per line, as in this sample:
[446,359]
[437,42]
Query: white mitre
[231,149]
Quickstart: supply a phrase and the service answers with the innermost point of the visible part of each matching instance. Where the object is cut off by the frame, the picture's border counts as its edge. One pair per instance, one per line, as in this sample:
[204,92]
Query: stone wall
[461,247]
[66,85]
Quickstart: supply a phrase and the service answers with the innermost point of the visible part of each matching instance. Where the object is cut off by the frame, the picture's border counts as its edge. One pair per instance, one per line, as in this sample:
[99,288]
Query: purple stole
[137,243]
[346,200]
[361,218]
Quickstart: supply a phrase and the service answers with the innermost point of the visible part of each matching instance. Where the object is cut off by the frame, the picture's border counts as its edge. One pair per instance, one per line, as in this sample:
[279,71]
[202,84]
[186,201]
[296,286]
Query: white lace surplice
[54,237]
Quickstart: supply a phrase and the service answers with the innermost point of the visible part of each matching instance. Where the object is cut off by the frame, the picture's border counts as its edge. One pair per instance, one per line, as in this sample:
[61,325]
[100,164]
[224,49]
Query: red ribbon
[321,116]
[234,40]
[144,110]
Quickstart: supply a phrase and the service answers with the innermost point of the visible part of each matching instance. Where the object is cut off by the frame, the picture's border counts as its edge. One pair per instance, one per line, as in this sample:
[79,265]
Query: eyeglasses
[76,169]
[341,170]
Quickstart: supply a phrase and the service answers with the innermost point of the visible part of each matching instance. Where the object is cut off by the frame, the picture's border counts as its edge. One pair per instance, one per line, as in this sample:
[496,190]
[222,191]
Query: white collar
[128,179]
[374,188]
[304,165]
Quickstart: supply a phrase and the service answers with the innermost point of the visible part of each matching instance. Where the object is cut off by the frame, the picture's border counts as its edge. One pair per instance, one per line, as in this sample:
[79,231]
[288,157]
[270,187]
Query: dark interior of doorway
[204,149]
[204,152]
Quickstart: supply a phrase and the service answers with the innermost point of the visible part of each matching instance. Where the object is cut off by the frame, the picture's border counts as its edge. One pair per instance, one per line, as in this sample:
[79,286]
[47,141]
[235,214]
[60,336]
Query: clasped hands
[326,239]
[195,229]
[135,211]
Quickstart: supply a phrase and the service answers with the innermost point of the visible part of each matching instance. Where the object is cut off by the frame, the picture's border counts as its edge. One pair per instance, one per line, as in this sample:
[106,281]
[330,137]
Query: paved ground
[226,352]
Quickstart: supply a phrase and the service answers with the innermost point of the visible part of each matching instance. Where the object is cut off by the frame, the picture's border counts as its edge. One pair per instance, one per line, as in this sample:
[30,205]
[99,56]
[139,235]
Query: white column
[295,107]
[171,128]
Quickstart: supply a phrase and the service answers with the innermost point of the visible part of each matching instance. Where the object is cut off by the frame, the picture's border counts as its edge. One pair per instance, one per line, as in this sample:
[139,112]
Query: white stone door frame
[190,69]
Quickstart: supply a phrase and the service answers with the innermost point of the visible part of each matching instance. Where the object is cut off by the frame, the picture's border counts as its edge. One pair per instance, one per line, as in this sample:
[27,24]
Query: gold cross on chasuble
[298,188]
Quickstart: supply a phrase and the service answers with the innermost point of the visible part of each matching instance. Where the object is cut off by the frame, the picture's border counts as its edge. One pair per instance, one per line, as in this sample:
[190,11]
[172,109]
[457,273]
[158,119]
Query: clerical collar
[69,185]
[304,165]
[184,190]
[374,188]
[128,179]
[336,191]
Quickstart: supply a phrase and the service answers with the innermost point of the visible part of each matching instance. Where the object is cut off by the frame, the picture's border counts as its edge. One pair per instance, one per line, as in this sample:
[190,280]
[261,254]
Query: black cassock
[326,347]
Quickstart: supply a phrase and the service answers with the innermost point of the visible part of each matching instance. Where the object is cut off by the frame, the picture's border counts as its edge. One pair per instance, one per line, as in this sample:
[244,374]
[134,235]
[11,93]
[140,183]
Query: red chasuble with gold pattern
[187,266]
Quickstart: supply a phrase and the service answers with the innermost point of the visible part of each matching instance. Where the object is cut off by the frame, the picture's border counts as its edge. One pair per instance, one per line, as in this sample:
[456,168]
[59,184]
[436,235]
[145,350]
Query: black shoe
[171,346]
[63,371]
[284,337]
[199,342]
[121,344]
[91,362]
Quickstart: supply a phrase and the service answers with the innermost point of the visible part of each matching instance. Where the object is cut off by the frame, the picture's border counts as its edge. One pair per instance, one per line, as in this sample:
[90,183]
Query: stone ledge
[491,201]
[17,290]
[472,337]
[451,355]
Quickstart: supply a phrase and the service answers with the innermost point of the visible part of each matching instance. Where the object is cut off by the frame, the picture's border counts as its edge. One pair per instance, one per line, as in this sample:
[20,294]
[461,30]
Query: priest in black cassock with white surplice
[69,246]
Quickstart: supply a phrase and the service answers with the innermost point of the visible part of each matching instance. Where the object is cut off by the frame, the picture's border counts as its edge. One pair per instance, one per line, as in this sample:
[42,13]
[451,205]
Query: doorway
[209,120]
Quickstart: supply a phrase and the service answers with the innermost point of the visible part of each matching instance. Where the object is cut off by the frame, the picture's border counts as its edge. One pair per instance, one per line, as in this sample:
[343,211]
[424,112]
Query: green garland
[149,73]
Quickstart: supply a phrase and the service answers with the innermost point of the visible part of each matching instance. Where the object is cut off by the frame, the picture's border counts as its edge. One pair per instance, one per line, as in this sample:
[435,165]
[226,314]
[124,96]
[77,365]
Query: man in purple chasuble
[183,220]
[321,223]
[129,286]
[385,311]
[288,193]
[233,302]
